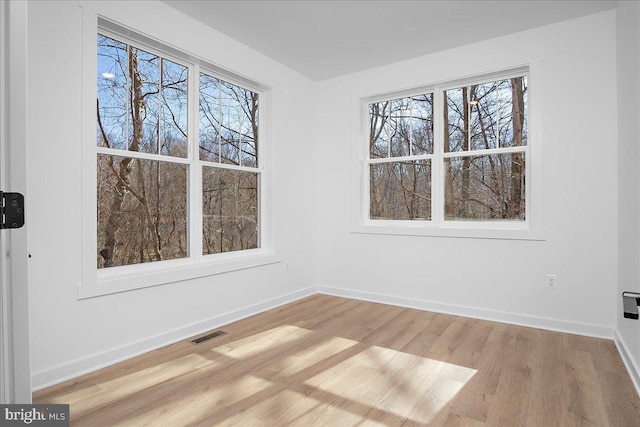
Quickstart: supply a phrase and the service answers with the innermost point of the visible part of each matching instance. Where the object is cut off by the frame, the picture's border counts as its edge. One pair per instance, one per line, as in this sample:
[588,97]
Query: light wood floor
[327,361]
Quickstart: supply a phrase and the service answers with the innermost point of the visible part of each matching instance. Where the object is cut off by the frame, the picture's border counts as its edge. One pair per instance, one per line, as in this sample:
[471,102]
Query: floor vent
[208,337]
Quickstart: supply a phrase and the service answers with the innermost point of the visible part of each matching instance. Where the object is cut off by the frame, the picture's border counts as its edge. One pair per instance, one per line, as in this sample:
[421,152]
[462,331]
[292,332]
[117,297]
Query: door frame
[15,363]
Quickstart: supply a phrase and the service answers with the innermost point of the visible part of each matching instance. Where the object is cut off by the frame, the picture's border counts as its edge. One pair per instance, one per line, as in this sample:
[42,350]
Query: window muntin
[474,171]
[146,169]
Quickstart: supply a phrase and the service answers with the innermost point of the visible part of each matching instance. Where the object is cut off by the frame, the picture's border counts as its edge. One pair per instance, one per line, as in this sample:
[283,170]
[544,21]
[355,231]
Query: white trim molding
[49,377]
[595,331]
[15,133]
[532,228]
[632,368]
[97,19]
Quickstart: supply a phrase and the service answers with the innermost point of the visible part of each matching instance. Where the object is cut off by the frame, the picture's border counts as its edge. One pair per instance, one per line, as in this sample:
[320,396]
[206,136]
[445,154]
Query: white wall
[500,279]
[313,211]
[628,61]
[70,335]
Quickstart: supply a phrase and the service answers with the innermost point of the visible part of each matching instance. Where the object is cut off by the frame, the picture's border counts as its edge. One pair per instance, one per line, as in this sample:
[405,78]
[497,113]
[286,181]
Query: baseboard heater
[208,337]
[631,301]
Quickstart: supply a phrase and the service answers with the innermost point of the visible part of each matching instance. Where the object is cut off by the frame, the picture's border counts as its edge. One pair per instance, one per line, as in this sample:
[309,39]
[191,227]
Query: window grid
[195,165]
[440,155]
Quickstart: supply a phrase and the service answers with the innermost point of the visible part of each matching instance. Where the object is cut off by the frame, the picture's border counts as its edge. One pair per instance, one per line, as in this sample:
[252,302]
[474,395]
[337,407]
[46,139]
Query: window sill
[128,278]
[470,230]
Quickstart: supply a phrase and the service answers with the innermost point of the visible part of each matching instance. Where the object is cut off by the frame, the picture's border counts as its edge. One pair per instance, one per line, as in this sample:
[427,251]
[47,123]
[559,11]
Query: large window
[178,168]
[451,154]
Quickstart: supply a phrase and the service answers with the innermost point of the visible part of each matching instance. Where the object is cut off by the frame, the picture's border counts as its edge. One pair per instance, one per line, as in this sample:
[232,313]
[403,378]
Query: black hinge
[631,302]
[11,210]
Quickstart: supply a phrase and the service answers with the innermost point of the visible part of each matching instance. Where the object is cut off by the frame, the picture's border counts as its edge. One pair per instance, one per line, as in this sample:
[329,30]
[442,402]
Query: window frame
[370,161]
[102,281]
[528,229]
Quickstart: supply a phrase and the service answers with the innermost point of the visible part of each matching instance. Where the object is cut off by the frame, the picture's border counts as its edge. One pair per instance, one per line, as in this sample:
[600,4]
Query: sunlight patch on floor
[288,408]
[313,355]
[329,380]
[375,383]
[364,395]
[129,384]
[196,406]
[394,382]
[262,342]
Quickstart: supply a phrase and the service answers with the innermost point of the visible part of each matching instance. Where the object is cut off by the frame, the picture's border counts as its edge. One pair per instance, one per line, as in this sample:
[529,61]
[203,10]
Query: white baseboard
[49,377]
[629,362]
[475,313]
[515,319]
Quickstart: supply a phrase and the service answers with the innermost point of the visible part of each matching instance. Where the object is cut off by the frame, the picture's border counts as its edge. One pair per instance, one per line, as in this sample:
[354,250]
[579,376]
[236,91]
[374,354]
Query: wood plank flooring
[328,361]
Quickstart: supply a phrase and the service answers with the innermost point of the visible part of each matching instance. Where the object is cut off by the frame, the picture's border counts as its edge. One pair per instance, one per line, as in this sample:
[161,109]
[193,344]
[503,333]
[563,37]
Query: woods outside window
[452,154]
[143,199]
[179,169]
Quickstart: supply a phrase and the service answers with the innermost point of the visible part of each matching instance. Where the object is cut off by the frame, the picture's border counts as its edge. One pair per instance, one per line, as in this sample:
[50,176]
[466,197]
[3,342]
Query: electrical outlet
[551,281]
[285,265]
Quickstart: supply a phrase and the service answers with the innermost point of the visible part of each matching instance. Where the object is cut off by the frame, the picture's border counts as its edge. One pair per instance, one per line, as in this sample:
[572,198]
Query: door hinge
[11,210]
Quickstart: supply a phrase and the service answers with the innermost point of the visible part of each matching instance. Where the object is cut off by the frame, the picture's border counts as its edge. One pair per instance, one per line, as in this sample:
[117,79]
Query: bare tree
[517,159]
[229,118]
[400,128]
[141,203]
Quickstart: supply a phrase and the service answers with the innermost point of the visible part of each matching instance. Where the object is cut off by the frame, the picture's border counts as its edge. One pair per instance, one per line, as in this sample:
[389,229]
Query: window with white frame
[178,169]
[450,154]
[400,158]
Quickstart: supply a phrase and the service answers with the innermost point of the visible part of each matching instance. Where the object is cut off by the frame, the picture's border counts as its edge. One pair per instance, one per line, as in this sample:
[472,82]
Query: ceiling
[325,39]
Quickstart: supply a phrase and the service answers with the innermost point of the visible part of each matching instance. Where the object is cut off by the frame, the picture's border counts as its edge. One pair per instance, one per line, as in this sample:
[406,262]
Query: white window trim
[529,229]
[96,282]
